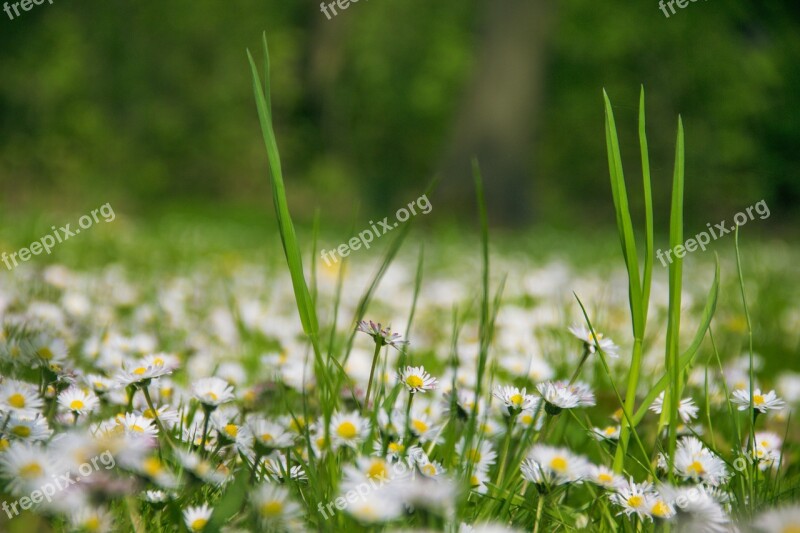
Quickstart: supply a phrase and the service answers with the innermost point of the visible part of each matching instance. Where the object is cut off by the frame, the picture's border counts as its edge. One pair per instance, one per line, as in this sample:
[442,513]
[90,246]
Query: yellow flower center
[474,455]
[610,430]
[415,382]
[211,396]
[791,528]
[516,400]
[419,426]
[198,524]
[99,385]
[137,428]
[347,430]
[660,509]
[21,431]
[92,524]
[4,444]
[158,361]
[604,477]
[377,470]
[396,447]
[527,419]
[474,481]
[151,466]
[697,468]
[429,469]
[273,508]
[635,501]
[45,353]
[140,370]
[31,470]
[76,405]
[232,430]
[559,464]
[17,400]
[758,399]
[266,437]
[149,413]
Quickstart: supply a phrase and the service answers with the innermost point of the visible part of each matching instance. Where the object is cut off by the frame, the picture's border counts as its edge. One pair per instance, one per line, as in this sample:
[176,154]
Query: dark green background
[149,105]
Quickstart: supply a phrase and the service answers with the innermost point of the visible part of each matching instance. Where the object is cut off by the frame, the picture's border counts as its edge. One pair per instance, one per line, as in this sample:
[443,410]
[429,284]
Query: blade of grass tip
[628,244]
[412,312]
[648,211]
[688,355]
[752,439]
[675,284]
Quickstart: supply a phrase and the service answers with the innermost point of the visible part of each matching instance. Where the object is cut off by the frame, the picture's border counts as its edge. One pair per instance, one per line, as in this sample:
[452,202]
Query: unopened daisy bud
[381,336]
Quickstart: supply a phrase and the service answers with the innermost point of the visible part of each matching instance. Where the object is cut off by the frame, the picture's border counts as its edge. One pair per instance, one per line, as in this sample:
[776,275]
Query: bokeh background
[149,106]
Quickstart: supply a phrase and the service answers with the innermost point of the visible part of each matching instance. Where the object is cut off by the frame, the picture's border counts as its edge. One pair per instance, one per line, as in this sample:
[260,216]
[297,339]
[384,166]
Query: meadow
[447,380]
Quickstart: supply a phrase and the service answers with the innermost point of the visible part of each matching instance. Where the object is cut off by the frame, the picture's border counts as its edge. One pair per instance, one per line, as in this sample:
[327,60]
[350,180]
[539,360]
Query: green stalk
[375,357]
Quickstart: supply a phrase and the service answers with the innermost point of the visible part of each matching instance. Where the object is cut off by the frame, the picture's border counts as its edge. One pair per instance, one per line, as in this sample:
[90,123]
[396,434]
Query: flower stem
[506,446]
[371,375]
[150,405]
[539,506]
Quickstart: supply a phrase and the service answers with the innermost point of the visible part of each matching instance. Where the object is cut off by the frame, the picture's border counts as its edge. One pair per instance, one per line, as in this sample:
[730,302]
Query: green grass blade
[648,211]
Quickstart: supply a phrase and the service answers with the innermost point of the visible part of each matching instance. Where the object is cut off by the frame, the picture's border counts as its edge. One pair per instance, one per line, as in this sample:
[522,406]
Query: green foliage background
[149,105]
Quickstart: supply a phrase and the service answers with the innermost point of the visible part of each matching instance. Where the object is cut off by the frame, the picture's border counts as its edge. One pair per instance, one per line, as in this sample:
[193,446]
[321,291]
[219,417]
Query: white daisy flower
[761,402]
[274,506]
[416,379]
[693,461]
[606,433]
[480,453]
[687,409]
[591,341]
[27,467]
[696,509]
[95,520]
[49,352]
[156,496]
[554,466]
[634,498]
[560,395]
[376,507]
[28,429]
[212,392]
[604,477]
[99,383]
[78,401]
[137,425]
[268,434]
[514,400]
[277,469]
[140,371]
[767,449]
[779,520]
[197,517]
[422,426]
[381,336]
[20,398]
[348,429]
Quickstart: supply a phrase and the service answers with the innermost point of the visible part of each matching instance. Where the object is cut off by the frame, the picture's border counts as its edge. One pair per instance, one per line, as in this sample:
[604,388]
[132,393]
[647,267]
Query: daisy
[96,520]
[634,498]
[49,352]
[480,454]
[197,517]
[514,400]
[137,425]
[78,401]
[606,433]
[693,461]
[422,426]
[277,469]
[767,449]
[560,395]
[348,429]
[274,506]
[590,342]
[27,467]
[780,519]
[687,409]
[156,496]
[28,429]
[696,509]
[140,371]
[381,336]
[20,398]
[100,384]
[212,392]
[201,468]
[604,477]
[376,507]
[761,402]
[416,379]
[550,465]
[269,435]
